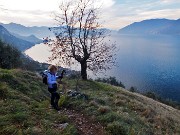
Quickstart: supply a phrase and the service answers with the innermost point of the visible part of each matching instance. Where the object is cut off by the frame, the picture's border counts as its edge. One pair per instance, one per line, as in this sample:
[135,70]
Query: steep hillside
[24,105]
[31,38]
[153,26]
[9,60]
[7,37]
[123,112]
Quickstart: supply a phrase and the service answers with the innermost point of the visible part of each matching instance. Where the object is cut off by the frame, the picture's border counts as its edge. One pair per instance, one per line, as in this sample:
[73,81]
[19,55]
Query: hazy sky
[115,13]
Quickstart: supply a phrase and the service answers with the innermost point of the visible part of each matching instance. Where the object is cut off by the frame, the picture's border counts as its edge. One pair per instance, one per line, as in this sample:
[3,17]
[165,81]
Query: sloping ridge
[7,37]
[24,105]
[153,26]
[31,38]
[40,32]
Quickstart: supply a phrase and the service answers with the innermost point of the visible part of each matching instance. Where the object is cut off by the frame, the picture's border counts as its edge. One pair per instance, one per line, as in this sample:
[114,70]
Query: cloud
[126,13]
[105,3]
[30,5]
[28,18]
[115,14]
[36,12]
[169,1]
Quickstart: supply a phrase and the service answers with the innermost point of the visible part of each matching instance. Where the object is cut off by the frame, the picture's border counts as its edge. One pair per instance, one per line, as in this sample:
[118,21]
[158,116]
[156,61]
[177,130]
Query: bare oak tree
[81,38]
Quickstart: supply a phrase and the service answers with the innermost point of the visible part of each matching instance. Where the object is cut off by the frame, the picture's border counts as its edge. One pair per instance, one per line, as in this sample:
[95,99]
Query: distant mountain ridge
[7,37]
[31,38]
[40,32]
[153,26]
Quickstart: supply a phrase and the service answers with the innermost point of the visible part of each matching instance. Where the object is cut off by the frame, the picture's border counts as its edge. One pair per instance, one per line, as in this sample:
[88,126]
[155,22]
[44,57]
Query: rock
[62,126]
[77,95]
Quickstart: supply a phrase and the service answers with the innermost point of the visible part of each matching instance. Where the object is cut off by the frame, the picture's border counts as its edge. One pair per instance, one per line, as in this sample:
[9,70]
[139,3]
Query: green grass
[124,112]
[24,105]
[24,108]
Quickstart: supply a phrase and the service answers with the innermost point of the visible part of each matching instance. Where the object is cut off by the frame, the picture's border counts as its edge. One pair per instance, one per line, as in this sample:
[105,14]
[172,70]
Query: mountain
[153,26]
[40,32]
[31,38]
[7,37]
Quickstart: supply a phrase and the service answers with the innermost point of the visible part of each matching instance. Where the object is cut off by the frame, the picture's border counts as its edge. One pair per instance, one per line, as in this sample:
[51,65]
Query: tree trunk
[84,70]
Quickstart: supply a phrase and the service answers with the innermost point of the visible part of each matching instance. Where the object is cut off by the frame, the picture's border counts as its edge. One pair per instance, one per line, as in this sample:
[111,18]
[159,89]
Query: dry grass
[134,112]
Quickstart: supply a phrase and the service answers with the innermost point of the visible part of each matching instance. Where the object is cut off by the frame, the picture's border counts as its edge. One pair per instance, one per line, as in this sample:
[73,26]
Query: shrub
[19,117]
[103,109]
[108,117]
[63,101]
[11,59]
[93,103]
[133,89]
[132,131]
[70,130]
[116,128]
[100,101]
[3,91]
[151,95]
[111,80]
[162,100]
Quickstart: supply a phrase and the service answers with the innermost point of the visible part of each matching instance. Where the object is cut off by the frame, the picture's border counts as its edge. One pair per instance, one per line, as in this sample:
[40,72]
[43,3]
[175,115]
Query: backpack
[44,77]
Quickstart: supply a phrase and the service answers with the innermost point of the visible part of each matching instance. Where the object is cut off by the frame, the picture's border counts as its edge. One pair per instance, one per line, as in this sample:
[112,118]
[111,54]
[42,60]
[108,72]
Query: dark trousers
[54,97]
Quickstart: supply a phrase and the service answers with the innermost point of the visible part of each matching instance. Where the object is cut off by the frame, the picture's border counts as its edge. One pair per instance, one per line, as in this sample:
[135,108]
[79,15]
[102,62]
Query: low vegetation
[156,97]
[11,57]
[24,105]
[111,80]
[123,112]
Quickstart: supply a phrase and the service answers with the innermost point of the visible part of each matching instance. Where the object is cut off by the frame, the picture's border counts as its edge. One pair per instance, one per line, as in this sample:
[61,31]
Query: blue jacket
[51,79]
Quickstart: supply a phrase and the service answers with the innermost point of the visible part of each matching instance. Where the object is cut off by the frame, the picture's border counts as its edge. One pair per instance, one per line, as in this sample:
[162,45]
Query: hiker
[52,85]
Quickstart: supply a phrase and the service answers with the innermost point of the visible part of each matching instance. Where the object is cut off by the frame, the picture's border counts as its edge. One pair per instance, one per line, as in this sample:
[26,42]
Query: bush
[111,80]
[133,89]
[103,109]
[162,100]
[108,117]
[9,56]
[70,130]
[3,91]
[19,117]
[100,101]
[116,128]
[63,101]
[151,95]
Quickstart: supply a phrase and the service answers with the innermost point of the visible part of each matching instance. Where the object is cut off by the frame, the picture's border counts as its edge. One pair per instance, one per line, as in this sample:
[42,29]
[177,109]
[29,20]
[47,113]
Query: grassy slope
[125,112]
[24,108]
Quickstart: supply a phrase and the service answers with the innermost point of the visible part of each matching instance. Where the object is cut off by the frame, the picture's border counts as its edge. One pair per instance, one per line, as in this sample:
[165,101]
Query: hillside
[7,37]
[24,105]
[40,32]
[31,38]
[25,108]
[153,26]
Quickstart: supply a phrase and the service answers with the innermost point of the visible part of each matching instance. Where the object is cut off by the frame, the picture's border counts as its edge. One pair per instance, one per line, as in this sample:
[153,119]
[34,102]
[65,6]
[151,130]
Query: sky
[115,14]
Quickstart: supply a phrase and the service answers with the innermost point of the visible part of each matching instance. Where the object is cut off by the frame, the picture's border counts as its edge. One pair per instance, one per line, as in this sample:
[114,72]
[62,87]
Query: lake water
[149,63]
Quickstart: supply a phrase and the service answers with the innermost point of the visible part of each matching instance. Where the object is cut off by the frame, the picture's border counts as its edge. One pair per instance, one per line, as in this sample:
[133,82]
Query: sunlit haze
[115,13]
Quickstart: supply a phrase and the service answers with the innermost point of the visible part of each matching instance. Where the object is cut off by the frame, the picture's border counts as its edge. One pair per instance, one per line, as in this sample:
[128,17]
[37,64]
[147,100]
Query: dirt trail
[84,124]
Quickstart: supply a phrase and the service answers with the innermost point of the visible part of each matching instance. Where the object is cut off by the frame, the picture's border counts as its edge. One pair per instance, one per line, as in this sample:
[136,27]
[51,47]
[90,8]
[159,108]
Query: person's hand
[63,72]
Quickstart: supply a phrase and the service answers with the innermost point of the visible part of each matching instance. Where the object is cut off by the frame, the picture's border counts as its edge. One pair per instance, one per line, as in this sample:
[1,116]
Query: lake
[149,63]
